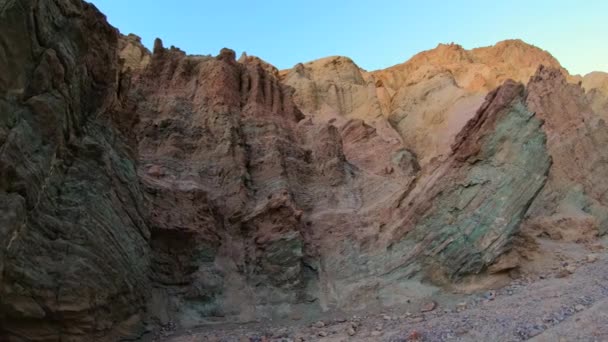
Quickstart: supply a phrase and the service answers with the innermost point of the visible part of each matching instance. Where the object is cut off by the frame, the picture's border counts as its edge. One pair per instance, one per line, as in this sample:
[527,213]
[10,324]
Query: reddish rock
[141,187]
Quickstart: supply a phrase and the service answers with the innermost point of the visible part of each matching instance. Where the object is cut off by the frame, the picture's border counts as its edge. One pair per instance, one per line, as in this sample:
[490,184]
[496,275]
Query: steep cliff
[146,188]
[74,254]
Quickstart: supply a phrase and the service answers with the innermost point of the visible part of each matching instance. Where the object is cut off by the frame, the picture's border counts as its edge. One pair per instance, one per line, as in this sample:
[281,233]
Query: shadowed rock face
[220,158]
[141,187]
[74,254]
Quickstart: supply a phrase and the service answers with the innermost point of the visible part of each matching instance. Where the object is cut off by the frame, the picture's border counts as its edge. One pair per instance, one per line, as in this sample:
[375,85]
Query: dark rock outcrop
[74,253]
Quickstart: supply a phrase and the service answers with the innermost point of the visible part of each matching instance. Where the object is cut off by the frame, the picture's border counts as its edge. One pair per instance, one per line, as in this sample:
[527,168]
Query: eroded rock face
[576,191]
[427,100]
[74,253]
[596,89]
[219,157]
[473,204]
[133,54]
[434,94]
[333,86]
[141,188]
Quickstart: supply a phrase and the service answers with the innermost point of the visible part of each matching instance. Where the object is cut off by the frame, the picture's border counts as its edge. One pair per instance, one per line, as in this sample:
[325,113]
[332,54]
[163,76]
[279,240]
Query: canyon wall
[145,188]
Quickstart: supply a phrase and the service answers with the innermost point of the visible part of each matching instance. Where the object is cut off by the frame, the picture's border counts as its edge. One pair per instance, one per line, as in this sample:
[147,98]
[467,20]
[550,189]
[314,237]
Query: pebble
[460,331]
[461,307]
[579,307]
[490,295]
[430,306]
[282,332]
[322,333]
[319,324]
[570,269]
[386,317]
[418,319]
[376,333]
[414,336]
[351,331]
[592,258]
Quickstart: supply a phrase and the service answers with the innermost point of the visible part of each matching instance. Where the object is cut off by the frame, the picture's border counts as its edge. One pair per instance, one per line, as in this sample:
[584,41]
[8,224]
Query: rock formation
[596,88]
[456,80]
[75,253]
[573,205]
[141,188]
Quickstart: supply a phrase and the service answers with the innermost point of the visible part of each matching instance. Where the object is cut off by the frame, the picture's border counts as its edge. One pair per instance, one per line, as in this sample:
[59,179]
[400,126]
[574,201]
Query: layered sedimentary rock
[145,187]
[455,220]
[220,160]
[74,254]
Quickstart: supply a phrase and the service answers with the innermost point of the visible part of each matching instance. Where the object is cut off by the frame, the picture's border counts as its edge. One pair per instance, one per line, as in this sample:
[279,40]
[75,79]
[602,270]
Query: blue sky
[375,34]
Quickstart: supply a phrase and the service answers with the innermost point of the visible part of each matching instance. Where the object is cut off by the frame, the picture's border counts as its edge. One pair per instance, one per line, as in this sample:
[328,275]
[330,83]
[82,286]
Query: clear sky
[374,33]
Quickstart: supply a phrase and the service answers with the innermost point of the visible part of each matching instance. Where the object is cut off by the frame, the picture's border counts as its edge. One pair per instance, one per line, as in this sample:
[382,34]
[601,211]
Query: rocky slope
[146,188]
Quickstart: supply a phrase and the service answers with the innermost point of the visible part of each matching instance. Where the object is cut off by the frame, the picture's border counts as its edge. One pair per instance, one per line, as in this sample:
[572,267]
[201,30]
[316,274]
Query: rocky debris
[535,309]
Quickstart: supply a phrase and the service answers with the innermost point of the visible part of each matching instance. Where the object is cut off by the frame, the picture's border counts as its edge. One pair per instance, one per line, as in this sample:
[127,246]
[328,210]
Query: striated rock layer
[74,254]
[143,188]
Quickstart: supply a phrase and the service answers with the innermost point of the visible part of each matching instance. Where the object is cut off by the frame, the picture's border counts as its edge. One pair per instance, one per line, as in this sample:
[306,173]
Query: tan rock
[429,306]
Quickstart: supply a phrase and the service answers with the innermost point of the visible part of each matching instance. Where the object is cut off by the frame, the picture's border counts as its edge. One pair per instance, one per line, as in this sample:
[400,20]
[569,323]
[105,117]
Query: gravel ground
[565,303]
